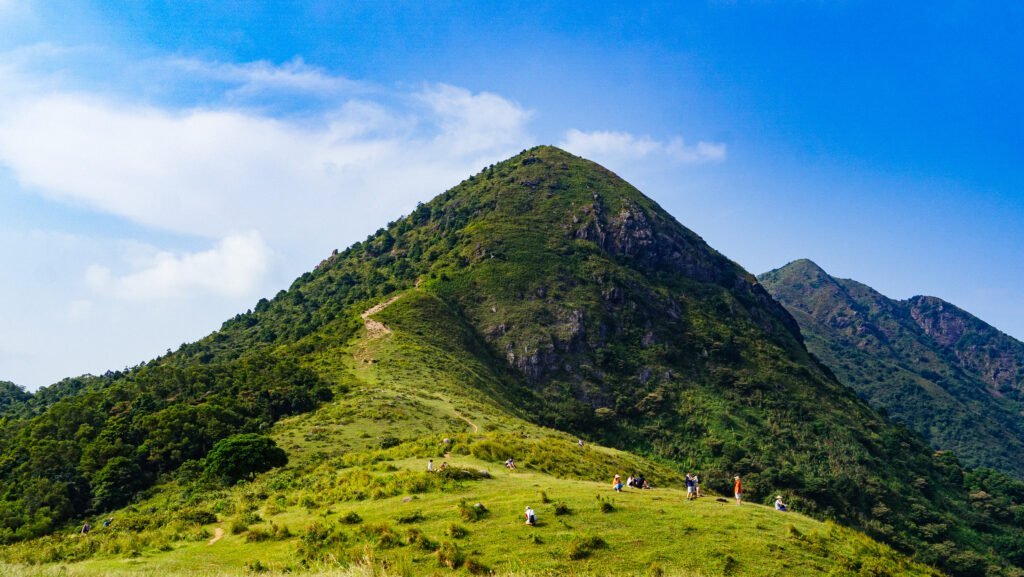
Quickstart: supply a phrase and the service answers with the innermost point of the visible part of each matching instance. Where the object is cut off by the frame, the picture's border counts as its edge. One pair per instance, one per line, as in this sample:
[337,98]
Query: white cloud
[210,171]
[233,268]
[253,77]
[475,122]
[605,145]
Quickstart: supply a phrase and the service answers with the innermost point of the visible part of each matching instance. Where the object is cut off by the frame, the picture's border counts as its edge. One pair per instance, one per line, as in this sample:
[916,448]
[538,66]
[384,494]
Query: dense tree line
[96,449]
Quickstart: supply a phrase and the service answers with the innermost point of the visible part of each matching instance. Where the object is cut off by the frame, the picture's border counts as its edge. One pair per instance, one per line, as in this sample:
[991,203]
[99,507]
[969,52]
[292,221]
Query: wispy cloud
[255,77]
[603,145]
[233,268]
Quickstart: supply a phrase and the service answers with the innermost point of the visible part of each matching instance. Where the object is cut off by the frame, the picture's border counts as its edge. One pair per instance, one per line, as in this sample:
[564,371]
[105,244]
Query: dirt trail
[476,429]
[218,534]
[376,329]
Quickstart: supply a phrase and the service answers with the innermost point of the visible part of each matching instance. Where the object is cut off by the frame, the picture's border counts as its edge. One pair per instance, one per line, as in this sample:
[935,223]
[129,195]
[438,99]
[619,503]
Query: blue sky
[163,165]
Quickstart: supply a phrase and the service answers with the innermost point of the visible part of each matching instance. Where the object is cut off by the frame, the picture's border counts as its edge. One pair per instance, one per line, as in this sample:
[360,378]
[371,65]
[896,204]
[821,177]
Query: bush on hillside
[243,456]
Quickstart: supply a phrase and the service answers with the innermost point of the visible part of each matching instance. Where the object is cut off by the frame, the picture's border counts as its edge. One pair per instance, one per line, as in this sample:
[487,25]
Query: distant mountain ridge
[929,364]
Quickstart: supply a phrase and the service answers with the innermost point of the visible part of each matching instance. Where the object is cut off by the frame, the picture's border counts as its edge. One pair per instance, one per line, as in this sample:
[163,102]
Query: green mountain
[936,368]
[542,299]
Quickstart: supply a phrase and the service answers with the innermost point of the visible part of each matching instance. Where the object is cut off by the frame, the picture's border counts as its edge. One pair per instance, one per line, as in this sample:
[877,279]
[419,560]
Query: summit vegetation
[541,300]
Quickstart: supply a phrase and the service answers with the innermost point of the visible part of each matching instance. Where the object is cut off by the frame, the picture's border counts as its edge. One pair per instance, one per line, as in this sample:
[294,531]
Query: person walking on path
[737,488]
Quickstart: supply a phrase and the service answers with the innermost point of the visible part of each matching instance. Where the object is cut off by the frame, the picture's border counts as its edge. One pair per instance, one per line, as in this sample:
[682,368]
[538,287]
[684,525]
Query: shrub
[562,509]
[416,538]
[320,542]
[475,567]
[352,518]
[473,512]
[448,555]
[607,507]
[258,535]
[382,534]
[583,547]
[411,517]
[456,531]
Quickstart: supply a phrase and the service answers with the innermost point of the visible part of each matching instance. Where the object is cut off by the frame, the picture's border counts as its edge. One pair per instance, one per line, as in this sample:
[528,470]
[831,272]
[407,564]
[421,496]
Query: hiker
[696,486]
[510,464]
[430,465]
[779,505]
[737,488]
[86,527]
[617,484]
[108,521]
[690,488]
[531,517]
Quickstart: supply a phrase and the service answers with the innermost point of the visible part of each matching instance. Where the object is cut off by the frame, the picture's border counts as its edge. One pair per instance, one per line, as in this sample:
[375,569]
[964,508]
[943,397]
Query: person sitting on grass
[779,505]
[531,517]
[444,465]
[617,484]
[510,464]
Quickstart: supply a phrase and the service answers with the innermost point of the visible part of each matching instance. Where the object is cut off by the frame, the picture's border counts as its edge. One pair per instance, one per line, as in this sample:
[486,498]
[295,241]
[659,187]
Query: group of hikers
[86,527]
[635,481]
[691,481]
[430,466]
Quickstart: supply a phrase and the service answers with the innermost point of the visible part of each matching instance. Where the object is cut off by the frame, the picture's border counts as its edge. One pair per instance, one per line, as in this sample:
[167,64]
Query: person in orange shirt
[738,490]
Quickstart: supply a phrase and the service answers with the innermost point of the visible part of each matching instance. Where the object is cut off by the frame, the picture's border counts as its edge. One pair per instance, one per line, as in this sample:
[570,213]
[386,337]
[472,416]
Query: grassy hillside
[929,365]
[345,501]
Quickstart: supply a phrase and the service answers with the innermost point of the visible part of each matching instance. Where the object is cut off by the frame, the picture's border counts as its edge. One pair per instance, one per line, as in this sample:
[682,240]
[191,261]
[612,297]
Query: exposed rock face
[979,348]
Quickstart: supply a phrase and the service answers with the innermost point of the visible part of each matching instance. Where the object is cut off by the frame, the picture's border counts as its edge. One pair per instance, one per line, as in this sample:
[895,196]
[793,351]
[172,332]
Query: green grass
[656,527]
